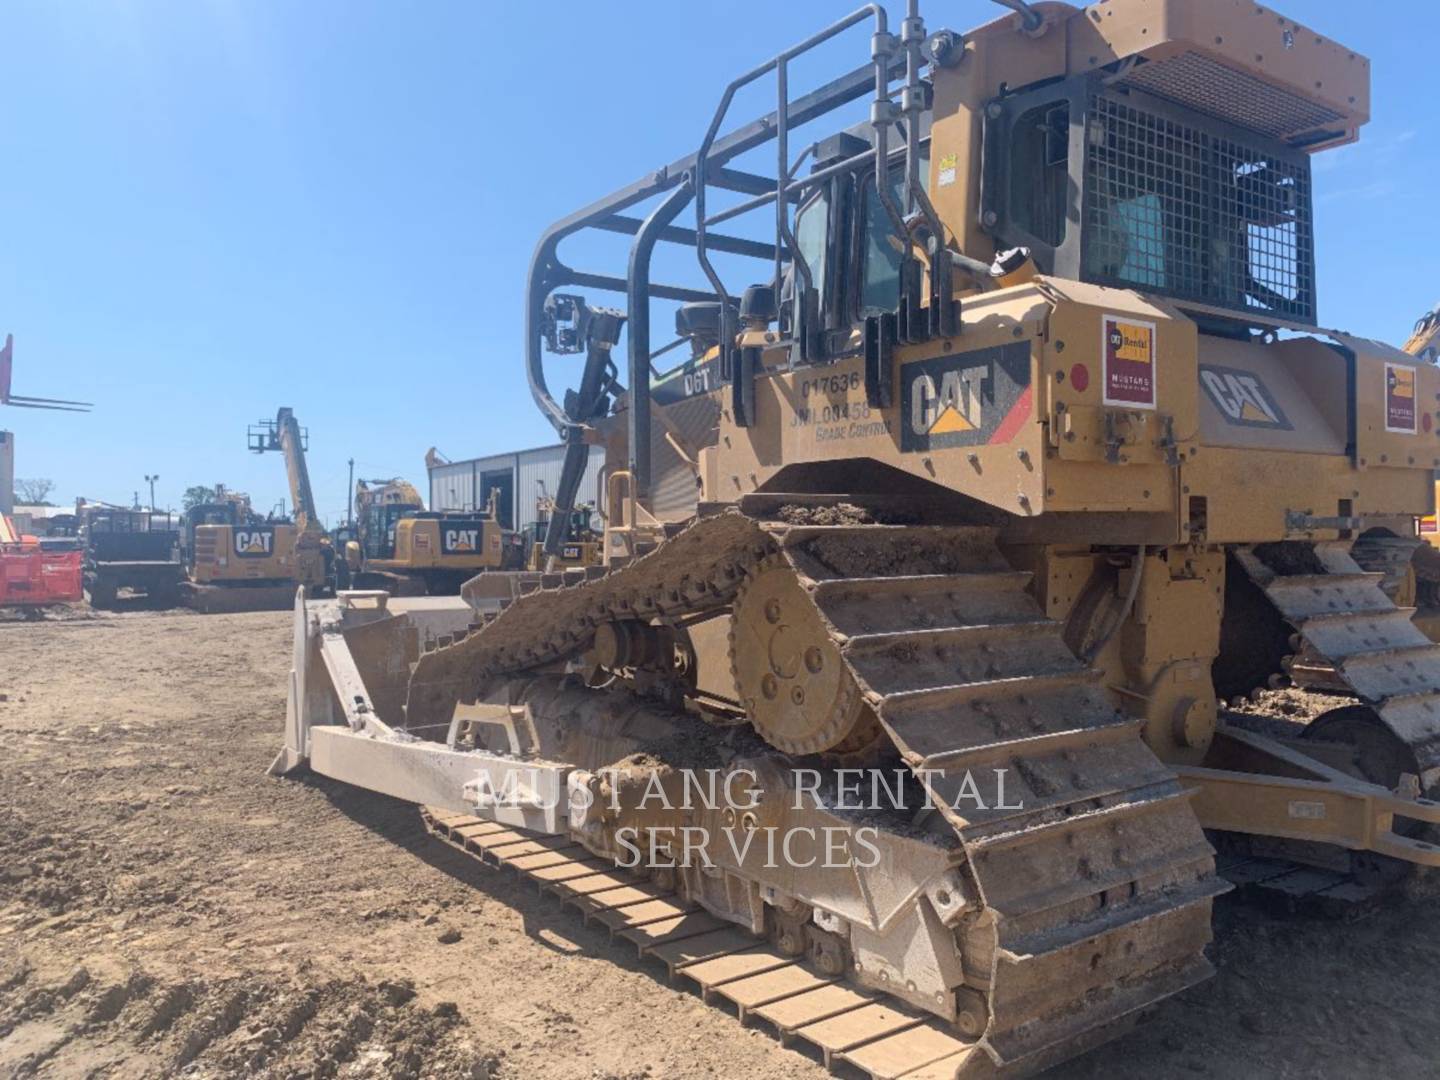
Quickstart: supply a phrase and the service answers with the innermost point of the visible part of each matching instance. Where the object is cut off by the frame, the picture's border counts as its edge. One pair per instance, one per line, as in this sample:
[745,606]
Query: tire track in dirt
[239,1028]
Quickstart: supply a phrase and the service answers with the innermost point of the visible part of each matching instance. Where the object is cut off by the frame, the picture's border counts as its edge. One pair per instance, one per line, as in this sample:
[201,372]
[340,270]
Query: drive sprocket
[789,675]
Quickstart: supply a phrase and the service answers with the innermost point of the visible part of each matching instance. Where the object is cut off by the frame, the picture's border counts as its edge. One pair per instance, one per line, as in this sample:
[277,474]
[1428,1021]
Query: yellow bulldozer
[404,549]
[240,561]
[899,712]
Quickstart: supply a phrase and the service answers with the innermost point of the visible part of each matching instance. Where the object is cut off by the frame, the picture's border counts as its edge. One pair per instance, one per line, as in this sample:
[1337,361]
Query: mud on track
[165,908]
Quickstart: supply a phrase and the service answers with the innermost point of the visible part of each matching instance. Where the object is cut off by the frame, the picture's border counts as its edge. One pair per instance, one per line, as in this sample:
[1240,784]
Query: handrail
[889,59]
[797,188]
[637,305]
[548,272]
[782,122]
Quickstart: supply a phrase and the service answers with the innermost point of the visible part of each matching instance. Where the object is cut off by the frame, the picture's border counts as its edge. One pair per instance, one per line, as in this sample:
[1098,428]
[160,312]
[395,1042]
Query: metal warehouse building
[523,478]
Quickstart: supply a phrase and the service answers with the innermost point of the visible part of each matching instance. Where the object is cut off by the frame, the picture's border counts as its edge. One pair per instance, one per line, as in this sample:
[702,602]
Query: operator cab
[378,530]
[208,513]
[1100,180]
[853,260]
[1109,182]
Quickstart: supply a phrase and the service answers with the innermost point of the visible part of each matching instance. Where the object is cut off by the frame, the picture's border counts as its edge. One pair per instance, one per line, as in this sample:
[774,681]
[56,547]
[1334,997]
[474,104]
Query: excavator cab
[377,530]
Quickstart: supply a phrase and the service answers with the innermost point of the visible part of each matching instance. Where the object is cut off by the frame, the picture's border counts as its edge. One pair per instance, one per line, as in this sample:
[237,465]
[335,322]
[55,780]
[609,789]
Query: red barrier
[33,577]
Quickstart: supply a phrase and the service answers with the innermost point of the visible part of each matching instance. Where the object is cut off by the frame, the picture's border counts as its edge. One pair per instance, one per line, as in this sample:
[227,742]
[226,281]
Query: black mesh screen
[1174,208]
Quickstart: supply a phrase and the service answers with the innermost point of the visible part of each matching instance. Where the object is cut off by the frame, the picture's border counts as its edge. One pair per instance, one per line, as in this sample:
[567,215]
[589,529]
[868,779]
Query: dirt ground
[167,909]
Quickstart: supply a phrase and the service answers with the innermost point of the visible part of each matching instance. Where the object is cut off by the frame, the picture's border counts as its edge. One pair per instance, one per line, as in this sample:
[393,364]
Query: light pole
[151,481]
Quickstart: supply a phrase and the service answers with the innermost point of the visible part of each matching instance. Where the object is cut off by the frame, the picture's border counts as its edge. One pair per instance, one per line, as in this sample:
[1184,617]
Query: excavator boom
[1425,338]
[292,444]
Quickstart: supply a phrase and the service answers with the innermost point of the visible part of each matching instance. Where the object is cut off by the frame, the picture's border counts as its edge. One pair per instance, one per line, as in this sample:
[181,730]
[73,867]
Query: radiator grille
[694,421]
[1174,208]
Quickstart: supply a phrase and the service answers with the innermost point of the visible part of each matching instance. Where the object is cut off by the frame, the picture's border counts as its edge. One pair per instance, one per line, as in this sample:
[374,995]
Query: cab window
[1040,172]
[811,224]
[880,260]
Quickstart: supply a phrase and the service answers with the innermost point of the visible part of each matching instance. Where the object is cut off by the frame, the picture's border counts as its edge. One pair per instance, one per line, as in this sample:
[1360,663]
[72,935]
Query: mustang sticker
[1129,350]
[1400,398]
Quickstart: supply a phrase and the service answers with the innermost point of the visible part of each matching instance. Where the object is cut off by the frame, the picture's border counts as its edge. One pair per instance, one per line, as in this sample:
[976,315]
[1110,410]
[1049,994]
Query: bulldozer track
[1094,889]
[1301,887]
[847,1025]
[1349,637]
[229,599]
[1356,638]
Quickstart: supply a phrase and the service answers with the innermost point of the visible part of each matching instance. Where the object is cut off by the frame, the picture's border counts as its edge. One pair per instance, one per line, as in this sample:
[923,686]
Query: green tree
[196,495]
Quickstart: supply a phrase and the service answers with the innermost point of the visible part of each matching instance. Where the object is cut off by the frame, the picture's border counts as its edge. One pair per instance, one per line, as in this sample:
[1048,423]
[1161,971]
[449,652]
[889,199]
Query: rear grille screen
[1171,207]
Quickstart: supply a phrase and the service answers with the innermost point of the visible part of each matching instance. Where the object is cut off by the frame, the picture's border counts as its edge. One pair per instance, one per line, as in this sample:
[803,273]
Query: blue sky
[216,207]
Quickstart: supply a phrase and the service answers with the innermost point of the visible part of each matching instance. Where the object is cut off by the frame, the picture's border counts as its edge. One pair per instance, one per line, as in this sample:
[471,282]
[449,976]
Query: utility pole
[151,481]
[350,497]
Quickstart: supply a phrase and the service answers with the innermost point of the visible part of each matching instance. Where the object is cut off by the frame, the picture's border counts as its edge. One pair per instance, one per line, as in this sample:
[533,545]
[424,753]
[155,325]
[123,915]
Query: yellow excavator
[897,715]
[404,549]
[239,561]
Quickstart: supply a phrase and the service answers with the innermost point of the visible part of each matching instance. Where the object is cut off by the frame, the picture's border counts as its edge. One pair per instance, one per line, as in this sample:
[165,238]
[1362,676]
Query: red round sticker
[1079,377]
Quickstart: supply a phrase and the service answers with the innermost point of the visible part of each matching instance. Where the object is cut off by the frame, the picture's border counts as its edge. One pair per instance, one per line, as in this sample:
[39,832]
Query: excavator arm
[285,434]
[313,548]
[1425,338]
[292,445]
